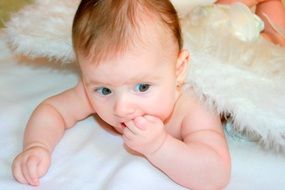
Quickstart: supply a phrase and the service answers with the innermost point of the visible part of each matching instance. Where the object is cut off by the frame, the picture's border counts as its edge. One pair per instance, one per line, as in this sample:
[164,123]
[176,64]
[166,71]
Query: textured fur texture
[242,78]
[43,29]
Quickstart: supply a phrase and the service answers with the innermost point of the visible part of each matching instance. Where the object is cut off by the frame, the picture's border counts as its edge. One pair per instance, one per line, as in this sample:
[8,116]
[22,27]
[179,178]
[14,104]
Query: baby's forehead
[141,54]
[152,41]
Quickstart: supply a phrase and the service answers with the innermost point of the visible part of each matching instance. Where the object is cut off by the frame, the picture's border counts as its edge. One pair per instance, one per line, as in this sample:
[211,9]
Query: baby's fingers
[132,127]
[152,119]
[43,166]
[26,172]
[18,174]
[33,167]
[31,164]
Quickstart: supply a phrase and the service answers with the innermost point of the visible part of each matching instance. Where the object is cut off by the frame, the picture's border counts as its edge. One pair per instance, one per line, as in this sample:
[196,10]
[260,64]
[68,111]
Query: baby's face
[137,83]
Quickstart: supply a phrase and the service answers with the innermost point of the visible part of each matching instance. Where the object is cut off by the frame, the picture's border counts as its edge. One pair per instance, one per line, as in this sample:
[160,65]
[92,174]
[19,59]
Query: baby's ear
[182,65]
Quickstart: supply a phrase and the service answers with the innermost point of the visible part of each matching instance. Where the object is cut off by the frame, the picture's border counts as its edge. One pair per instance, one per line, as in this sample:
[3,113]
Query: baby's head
[104,28]
[131,58]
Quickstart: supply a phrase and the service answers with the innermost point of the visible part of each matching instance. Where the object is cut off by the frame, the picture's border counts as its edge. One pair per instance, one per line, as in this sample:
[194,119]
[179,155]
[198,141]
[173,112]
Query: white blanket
[90,156]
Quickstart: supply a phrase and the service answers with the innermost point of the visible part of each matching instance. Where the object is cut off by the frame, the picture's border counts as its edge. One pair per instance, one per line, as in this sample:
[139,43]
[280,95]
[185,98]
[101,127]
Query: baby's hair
[102,27]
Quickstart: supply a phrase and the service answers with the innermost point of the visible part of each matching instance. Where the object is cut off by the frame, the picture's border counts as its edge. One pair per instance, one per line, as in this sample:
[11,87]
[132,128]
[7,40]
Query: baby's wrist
[37,145]
[158,146]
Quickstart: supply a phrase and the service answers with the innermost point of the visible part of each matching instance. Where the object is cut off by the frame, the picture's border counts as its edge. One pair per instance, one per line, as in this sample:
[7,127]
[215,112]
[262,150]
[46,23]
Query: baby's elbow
[223,182]
[222,176]
[218,180]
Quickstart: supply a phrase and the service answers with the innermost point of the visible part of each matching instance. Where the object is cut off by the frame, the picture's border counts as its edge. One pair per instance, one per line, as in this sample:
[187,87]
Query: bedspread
[91,156]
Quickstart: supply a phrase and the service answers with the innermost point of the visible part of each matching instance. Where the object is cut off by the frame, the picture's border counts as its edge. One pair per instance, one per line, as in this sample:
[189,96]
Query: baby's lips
[123,125]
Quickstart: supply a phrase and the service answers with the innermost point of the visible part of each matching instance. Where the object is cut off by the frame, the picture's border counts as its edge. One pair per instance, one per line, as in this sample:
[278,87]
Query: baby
[272,12]
[133,69]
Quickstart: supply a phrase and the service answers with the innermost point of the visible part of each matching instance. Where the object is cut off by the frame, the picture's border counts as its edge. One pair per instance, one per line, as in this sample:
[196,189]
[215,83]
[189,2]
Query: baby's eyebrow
[94,83]
[136,79]
[145,78]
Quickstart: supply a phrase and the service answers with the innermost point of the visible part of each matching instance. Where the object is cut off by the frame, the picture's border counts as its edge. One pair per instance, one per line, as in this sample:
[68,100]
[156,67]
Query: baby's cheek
[166,110]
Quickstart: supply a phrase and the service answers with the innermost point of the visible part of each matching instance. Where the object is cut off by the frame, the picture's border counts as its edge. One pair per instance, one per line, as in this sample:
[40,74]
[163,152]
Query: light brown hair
[111,26]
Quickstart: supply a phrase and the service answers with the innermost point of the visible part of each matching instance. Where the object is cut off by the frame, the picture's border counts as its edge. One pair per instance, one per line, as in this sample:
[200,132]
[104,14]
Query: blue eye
[142,87]
[103,91]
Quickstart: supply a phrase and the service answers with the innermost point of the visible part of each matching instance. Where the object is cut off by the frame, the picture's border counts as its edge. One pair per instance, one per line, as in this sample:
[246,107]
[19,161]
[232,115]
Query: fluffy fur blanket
[233,69]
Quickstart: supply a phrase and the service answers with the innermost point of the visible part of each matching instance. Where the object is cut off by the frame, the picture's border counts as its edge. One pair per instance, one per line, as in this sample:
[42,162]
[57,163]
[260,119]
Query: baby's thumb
[152,119]
[43,166]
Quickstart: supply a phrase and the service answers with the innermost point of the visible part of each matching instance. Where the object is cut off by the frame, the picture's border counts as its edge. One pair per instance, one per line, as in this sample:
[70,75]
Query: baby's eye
[103,91]
[142,87]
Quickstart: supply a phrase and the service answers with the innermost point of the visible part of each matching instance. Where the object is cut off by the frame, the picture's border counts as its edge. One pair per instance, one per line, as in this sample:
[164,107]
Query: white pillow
[236,73]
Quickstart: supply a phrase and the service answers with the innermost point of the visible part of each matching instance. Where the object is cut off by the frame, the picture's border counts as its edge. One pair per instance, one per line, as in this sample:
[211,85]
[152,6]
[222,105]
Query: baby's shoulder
[196,114]
[188,101]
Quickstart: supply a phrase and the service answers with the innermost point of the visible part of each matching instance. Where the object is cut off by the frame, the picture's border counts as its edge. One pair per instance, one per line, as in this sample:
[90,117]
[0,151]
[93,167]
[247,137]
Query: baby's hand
[31,164]
[144,134]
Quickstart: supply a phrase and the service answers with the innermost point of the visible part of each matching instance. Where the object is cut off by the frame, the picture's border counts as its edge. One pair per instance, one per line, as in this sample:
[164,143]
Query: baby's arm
[272,12]
[201,160]
[45,128]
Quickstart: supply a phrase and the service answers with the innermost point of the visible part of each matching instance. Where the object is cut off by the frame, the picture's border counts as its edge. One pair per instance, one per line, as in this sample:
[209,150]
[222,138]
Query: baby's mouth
[123,125]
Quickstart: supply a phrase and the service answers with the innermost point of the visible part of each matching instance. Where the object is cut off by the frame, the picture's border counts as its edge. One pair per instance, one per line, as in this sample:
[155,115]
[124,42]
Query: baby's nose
[124,107]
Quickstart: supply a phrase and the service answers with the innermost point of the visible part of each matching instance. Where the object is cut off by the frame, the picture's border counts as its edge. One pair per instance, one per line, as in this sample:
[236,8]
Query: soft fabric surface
[43,29]
[232,67]
[7,7]
[90,156]
[237,71]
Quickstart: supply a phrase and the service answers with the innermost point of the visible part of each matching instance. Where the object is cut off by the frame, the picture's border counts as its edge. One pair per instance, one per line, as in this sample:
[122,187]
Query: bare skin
[272,10]
[44,130]
[155,115]
[201,147]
